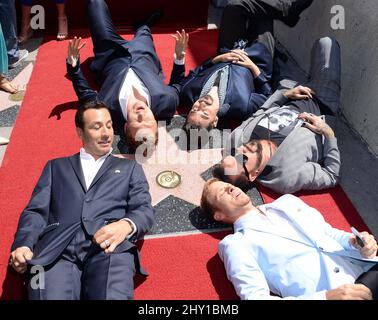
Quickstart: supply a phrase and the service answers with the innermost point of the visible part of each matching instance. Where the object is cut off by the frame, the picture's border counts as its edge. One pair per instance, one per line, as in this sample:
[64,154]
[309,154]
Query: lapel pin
[117,171]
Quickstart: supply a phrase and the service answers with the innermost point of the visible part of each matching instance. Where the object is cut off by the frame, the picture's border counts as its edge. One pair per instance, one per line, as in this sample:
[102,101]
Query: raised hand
[182,39]
[74,47]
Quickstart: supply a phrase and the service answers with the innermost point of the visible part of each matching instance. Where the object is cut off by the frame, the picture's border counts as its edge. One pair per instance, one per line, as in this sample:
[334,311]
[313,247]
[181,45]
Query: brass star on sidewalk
[188,164]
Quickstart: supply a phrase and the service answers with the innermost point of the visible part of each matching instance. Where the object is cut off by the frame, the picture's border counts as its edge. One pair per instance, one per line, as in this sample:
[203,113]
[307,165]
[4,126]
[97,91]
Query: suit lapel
[105,166]
[76,165]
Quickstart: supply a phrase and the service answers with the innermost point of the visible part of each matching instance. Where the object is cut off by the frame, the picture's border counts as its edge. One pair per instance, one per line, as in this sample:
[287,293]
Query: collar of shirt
[132,80]
[248,218]
[84,155]
[90,166]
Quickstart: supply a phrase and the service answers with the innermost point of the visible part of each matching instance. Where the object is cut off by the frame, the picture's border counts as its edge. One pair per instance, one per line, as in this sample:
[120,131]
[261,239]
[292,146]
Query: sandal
[6,86]
[63,29]
[3,141]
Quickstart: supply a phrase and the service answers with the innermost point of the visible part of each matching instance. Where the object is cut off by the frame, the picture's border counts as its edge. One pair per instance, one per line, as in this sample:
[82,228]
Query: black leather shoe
[150,21]
[295,10]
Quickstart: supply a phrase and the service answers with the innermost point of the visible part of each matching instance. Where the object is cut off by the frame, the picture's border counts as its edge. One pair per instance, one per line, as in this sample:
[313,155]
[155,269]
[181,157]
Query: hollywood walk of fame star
[188,164]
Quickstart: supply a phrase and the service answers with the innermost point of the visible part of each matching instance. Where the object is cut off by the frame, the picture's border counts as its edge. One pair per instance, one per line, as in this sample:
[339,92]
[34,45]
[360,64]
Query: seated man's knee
[327,42]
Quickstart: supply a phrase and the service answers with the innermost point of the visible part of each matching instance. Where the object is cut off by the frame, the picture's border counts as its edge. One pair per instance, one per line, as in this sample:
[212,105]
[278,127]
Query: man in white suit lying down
[285,249]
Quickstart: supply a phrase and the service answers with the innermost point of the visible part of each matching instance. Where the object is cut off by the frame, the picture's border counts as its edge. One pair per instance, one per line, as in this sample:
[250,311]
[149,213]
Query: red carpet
[180,268]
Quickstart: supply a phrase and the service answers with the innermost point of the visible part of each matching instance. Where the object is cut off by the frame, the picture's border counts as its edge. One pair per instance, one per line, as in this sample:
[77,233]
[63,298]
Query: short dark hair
[206,207]
[241,181]
[79,116]
[133,144]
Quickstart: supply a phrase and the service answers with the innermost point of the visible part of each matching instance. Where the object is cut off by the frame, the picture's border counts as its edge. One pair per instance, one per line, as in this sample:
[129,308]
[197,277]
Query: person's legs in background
[62,20]
[26,31]
[9,25]
[5,85]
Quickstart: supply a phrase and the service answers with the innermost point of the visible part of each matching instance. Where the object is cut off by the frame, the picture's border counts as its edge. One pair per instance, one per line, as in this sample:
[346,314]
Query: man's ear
[253,175]
[218,216]
[215,122]
[80,133]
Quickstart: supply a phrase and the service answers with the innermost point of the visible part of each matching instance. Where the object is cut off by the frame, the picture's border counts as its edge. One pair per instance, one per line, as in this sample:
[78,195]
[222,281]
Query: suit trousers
[84,271]
[108,45]
[325,74]
[370,280]
[247,20]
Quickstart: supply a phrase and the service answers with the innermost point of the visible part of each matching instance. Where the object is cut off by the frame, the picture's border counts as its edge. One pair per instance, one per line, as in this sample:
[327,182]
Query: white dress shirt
[291,252]
[132,80]
[90,167]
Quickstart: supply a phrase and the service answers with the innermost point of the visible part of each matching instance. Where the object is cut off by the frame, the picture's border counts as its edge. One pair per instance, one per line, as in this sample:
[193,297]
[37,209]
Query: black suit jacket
[245,94]
[60,204]
[112,68]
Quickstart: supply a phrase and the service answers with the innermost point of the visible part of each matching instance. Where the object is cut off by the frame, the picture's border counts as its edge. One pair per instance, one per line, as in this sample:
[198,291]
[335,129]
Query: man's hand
[113,234]
[182,40]
[369,250]
[245,61]
[317,124]
[19,258]
[239,57]
[74,47]
[350,292]
[299,93]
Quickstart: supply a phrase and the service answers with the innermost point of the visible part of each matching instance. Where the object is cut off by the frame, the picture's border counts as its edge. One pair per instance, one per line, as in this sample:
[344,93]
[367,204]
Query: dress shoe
[150,21]
[296,8]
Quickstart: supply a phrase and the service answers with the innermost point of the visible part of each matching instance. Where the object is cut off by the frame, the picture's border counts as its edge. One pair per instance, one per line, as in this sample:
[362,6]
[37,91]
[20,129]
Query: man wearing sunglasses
[286,145]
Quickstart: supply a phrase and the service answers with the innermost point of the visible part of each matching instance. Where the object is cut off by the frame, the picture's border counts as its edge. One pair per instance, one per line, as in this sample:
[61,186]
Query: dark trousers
[247,20]
[9,25]
[108,45]
[370,280]
[253,19]
[84,271]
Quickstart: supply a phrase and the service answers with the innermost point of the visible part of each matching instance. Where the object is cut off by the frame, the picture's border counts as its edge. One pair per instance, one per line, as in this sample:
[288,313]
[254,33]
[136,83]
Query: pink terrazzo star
[189,165]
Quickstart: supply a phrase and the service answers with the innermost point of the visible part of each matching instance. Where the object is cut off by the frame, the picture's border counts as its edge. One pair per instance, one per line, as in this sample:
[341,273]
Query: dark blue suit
[244,94]
[113,58]
[61,207]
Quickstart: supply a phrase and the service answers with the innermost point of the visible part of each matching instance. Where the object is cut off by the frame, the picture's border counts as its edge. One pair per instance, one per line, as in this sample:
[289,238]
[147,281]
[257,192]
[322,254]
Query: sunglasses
[243,159]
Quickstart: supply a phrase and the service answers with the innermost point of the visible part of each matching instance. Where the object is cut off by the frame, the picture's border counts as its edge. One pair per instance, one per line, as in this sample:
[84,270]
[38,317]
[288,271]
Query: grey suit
[304,160]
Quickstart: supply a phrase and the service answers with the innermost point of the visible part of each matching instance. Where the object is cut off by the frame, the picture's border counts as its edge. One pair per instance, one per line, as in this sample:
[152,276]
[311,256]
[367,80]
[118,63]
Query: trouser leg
[61,281]
[109,276]
[9,26]
[104,35]
[325,74]
[142,50]
[239,17]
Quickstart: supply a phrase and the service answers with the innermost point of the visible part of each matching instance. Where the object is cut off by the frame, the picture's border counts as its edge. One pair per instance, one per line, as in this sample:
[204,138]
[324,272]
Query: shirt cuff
[133,226]
[179,62]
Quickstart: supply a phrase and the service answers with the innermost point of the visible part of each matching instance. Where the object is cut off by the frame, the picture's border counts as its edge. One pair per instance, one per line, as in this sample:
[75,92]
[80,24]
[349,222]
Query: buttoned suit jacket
[61,203]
